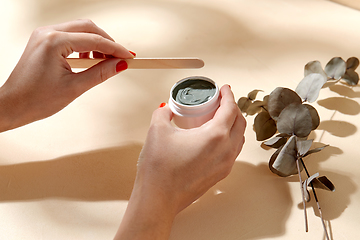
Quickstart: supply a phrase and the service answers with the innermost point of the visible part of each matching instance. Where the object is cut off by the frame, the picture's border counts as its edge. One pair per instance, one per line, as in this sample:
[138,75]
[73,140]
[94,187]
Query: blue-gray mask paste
[193,92]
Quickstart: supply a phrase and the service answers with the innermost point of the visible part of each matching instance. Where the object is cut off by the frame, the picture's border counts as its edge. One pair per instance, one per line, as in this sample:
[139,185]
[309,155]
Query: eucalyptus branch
[316,199]
[290,114]
[302,194]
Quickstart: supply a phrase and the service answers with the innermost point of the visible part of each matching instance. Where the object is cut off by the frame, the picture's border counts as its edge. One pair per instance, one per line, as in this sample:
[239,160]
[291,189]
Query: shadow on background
[348,3]
[333,204]
[345,91]
[250,203]
[343,105]
[106,174]
[338,128]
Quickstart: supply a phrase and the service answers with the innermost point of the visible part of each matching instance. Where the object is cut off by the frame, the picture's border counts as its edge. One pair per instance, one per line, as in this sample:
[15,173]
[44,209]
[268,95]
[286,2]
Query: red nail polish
[98,55]
[84,55]
[162,105]
[229,86]
[132,53]
[121,66]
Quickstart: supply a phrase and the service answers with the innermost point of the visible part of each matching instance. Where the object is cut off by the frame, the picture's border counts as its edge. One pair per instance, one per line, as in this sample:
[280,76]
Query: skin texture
[175,167]
[42,82]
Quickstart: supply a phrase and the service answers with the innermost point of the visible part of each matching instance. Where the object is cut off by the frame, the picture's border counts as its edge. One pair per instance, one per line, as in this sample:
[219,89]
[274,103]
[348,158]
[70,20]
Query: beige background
[70,176]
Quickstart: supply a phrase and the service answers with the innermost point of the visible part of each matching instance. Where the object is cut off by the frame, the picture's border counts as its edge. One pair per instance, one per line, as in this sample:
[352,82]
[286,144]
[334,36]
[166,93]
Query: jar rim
[194,110]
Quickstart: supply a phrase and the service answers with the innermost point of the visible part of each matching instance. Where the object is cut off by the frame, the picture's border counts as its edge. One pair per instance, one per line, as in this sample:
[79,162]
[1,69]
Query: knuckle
[46,38]
[98,41]
[50,39]
[219,135]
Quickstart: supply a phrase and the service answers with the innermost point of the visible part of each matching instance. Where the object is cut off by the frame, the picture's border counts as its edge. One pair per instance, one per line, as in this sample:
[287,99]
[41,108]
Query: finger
[237,132]
[98,74]
[98,55]
[86,42]
[227,112]
[162,115]
[238,128]
[84,55]
[81,25]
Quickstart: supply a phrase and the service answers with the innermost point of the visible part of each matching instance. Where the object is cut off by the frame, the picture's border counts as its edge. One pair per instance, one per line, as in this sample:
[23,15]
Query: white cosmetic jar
[202,95]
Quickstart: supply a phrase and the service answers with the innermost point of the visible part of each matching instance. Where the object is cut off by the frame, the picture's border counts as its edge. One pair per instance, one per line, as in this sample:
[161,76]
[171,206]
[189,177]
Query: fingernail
[84,55]
[162,105]
[229,86]
[98,55]
[121,66]
[132,53]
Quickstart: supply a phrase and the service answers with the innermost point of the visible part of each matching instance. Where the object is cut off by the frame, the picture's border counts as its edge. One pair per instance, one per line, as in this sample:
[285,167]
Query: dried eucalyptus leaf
[279,99]
[351,77]
[314,67]
[243,103]
[276,142]
[335,68]
[283,135]
[314,116]
[295,119]
[324,183]
[309,88]
[352,63]
[303,146]
[255,107]
[312,177]
[253,93]
[306,194]
[285,162]
[306,183]
[319,182]
[315,150]
[265,126]
[272,160]
[266,99]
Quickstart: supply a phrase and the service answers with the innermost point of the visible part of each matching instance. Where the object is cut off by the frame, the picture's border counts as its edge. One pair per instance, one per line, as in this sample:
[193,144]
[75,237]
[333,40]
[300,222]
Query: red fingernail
[121,66]
[162,105]
[229,86]
[132,53]
[84,55]
[98,55]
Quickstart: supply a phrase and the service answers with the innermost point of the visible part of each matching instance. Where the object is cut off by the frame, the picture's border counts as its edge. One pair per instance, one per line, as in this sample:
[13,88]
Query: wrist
[149,215]
[7,121]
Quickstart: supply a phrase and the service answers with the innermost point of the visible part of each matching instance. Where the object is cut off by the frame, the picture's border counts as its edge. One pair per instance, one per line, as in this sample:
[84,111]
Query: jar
[194,101]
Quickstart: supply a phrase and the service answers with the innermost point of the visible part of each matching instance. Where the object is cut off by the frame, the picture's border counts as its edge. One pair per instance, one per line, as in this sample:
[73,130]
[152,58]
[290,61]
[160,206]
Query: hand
[177,166]
[42,83]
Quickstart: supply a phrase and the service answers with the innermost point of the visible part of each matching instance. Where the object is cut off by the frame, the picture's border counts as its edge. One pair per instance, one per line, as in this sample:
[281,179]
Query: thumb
[162,115]
[100,73]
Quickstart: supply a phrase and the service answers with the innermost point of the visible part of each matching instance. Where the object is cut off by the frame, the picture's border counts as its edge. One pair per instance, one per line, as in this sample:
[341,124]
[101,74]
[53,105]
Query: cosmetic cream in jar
[194,101]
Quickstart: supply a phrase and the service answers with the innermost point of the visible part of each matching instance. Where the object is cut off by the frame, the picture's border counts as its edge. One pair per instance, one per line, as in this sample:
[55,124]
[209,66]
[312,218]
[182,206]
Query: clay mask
[194,92]
[194,101]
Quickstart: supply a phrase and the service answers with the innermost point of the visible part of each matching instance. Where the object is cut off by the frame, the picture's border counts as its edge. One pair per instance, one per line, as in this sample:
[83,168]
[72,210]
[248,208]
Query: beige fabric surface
[70,176]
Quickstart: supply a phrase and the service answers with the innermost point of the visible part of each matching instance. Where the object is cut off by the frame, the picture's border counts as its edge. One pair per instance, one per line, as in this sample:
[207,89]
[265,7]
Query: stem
[317,201]
[302,194]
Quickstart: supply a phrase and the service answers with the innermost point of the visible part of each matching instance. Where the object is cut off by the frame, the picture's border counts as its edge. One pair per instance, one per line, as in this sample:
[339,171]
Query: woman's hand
[177,166]
[42,83]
